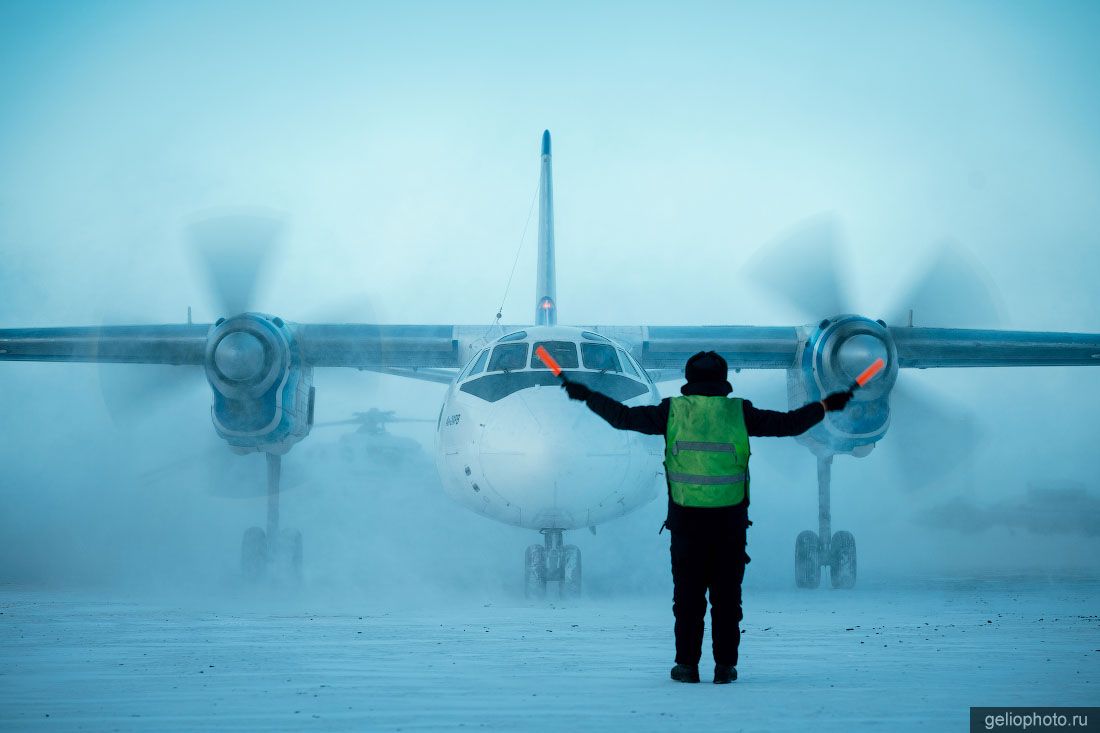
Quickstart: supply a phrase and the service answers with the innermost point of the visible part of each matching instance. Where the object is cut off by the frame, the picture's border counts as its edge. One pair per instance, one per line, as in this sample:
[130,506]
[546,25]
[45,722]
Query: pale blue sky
[403,141]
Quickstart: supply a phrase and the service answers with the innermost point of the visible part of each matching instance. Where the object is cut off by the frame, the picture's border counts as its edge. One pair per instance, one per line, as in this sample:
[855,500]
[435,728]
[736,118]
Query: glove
[575,390]
[836,401]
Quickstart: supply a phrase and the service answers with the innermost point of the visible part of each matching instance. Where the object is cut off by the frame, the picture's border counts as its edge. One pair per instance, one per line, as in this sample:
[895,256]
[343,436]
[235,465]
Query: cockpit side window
[628,367]
[508,357]
[564,353]
[467,369]
[600,356]
[479,365]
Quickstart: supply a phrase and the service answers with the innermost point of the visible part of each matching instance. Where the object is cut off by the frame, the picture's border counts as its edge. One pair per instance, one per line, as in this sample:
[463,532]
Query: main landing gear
[552,561]
[813,551]
[276,553]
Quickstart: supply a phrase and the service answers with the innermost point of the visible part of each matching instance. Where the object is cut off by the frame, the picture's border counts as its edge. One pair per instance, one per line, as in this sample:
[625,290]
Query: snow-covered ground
[886,657]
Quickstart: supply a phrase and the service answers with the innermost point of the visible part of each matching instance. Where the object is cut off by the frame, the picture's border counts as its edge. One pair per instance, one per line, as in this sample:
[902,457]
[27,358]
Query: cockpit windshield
[492,387]
[601,357]
[508,357]
[563,352]
[513,365]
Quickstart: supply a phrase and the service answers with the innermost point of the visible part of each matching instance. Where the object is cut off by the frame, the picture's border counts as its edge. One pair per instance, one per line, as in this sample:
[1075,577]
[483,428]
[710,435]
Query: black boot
[686,673]
[724,674]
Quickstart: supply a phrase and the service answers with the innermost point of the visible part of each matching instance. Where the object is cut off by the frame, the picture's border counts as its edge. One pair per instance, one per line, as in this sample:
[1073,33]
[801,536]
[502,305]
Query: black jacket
[653,420]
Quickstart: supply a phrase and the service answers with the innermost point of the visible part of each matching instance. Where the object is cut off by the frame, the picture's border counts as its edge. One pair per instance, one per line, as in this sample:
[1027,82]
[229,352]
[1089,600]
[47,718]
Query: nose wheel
[812,551]
[552,561]
[272,553]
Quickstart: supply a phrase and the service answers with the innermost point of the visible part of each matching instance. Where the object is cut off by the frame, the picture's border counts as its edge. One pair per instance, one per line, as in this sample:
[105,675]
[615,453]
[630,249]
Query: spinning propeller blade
[929,436]
[953,290]
[803,267]
[132,392]
[234,248]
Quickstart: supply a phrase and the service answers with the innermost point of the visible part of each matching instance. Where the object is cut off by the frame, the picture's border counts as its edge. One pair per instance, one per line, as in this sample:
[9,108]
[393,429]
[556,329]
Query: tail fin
[546,308]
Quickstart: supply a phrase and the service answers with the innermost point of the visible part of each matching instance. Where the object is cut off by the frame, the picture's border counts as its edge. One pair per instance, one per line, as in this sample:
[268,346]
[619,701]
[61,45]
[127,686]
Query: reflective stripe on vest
[706,451]
[698,445]
[689,478]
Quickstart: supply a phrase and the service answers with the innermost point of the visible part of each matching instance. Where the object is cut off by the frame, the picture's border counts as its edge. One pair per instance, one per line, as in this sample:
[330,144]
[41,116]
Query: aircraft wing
[163,344]
[366,346]
[763,347]
[743,347]
[421,351]
[924,348]
[418,351]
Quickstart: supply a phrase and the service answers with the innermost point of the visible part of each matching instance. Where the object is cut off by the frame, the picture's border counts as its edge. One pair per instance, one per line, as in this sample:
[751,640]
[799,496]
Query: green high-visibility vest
[707,451]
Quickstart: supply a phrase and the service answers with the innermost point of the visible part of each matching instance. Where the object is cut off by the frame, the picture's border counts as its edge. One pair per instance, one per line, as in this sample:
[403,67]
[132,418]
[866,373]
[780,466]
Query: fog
[401,144]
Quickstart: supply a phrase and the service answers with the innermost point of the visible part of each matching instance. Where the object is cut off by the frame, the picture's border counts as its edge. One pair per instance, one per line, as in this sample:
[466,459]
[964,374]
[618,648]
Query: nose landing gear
[276,553]
[552,562]
[836,551]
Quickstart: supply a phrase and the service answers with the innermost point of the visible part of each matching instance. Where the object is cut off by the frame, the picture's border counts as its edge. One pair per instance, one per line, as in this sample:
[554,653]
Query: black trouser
[703,561]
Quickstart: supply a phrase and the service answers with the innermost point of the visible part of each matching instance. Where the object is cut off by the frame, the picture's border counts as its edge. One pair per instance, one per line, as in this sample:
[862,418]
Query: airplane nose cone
[552,457]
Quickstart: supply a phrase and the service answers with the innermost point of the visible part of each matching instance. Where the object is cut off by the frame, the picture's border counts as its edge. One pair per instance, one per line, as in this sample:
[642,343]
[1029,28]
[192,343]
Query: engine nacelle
[263,393]
[833,354]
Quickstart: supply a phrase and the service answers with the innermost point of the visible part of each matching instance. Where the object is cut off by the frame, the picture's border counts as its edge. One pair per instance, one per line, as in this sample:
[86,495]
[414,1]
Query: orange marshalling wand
[869,372]
[548,360]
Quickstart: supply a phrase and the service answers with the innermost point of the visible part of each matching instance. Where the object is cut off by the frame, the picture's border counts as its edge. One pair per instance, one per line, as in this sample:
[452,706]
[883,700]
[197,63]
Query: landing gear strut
[276,552]
[835,551]
[552,561]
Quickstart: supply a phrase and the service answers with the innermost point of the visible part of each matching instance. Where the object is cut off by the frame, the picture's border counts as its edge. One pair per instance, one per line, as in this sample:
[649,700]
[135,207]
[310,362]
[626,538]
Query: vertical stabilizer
[546,308]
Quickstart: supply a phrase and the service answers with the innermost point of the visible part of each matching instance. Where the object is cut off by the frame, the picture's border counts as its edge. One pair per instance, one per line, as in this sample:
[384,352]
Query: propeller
[952,289]
[803,267]
[218,472]
[132,392]
[234,248]
[930,435]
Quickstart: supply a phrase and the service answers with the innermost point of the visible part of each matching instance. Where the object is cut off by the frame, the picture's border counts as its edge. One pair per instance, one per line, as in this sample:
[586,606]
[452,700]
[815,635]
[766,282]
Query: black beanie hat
[706,366]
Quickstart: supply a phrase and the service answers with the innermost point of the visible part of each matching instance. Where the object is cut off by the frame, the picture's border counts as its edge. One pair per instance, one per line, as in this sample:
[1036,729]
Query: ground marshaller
[707,466]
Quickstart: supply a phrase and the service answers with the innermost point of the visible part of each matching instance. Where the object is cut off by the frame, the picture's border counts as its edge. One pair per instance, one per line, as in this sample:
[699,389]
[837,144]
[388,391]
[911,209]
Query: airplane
[509,446]
[371,448]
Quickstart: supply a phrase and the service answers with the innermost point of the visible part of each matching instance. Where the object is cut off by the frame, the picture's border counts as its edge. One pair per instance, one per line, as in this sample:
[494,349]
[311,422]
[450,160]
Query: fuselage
[511,446]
